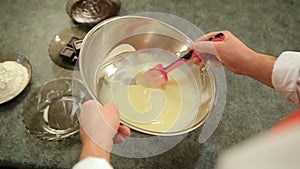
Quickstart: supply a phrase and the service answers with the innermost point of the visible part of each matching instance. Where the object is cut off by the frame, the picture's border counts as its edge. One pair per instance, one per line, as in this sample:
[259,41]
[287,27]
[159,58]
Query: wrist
[90,149]
[247,64]
[260,66]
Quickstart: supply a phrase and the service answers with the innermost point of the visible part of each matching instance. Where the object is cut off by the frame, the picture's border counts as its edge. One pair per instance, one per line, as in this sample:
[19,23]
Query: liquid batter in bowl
[146,108]
[172,107]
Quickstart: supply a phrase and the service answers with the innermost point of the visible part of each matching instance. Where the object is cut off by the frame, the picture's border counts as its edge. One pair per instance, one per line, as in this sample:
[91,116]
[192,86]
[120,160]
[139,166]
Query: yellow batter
[172,107]
[141,101]
[152,109]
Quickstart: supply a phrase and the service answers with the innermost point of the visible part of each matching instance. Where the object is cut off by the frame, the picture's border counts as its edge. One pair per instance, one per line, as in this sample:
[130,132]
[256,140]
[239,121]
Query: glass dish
[51,111]
[60,40]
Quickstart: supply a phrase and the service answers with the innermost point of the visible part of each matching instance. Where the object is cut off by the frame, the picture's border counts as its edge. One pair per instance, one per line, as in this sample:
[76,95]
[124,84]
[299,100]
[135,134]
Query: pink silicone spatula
[158,75]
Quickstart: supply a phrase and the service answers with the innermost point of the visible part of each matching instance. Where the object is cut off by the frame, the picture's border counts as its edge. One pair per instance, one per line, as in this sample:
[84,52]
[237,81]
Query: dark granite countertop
[269,26]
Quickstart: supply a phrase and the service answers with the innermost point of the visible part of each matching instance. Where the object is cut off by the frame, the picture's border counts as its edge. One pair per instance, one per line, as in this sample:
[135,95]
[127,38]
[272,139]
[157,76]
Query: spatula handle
[216,38]
[180,61]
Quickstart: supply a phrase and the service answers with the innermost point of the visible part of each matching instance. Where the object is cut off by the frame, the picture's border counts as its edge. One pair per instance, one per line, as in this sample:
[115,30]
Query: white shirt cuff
[286,76]
[92,163]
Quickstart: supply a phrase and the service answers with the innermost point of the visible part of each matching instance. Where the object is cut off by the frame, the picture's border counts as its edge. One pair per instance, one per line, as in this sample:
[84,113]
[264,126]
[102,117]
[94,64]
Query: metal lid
[92,12]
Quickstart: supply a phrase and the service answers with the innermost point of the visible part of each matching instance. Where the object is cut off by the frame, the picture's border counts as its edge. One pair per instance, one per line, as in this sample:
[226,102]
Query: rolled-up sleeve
[286,76]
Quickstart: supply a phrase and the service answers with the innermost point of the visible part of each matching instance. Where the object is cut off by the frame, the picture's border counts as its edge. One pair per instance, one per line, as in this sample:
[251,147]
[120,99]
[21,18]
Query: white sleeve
[92,163]
[286,76]
[280,151]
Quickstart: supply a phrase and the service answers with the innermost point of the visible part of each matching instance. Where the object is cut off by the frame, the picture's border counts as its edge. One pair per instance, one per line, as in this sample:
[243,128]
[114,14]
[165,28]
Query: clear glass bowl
[51,111]
[160,31]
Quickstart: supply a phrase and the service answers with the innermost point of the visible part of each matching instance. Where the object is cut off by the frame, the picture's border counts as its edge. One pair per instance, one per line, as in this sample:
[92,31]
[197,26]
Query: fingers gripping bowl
[118,49]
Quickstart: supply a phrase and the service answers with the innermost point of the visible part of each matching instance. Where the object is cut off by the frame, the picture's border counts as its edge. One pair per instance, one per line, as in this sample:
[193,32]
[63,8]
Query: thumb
[206,51]
[204,47]
[111,115]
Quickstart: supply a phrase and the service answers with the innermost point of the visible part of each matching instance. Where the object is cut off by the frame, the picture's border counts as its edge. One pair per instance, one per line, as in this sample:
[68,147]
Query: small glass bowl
[51,111]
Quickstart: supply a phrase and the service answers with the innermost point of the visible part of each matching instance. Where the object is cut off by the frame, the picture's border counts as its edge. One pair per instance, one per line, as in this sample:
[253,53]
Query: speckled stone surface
[270,26]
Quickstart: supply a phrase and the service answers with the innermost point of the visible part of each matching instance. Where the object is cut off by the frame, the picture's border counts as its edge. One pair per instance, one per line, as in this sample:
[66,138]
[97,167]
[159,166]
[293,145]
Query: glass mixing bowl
[116,45]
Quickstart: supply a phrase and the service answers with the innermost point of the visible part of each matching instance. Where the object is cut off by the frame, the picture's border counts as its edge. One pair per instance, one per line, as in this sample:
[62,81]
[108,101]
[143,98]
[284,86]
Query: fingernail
[218,37]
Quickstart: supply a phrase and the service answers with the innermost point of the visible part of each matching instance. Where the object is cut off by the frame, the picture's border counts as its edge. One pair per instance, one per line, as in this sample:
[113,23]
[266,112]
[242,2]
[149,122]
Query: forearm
[259,66]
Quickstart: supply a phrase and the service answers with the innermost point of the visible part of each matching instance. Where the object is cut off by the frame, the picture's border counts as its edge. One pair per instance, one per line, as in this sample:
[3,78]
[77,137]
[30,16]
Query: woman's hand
[236,56]
[99,129]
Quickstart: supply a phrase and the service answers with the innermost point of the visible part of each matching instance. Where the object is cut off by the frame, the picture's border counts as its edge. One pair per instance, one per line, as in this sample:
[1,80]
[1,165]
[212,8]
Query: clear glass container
[51,111]
[99,61]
